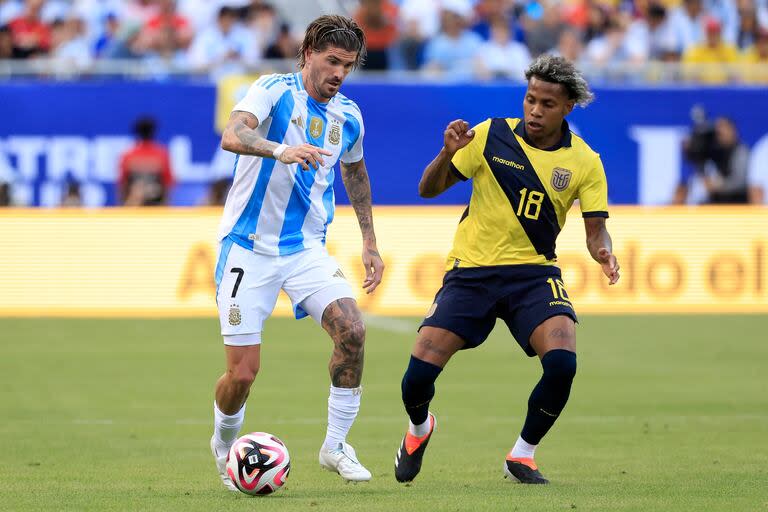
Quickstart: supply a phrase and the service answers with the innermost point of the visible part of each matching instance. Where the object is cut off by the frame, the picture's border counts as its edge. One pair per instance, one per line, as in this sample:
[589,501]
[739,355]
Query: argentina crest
[334,137]
[234,315]
[561,178]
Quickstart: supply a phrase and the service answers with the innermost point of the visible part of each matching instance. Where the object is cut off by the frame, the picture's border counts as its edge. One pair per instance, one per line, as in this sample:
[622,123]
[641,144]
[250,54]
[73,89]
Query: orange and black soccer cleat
[523,471]
[411,452]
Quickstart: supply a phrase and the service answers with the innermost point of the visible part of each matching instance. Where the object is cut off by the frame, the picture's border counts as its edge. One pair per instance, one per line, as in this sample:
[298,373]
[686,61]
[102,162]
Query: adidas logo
[298,121]
[338,273]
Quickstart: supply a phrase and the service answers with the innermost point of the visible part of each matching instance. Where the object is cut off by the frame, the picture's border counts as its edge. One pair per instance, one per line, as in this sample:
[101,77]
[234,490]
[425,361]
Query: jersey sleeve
[469,159]
[260,98]
[593,192]
[354,130]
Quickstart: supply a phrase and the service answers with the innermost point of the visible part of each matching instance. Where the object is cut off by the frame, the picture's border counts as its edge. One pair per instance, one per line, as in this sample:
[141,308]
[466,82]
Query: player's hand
[305,155]
[374,267]
[457,135]
[609,264]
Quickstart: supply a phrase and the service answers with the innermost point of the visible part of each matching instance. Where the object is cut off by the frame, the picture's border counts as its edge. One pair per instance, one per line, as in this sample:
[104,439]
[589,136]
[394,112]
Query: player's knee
[354,336]
[242,377]
[559,365]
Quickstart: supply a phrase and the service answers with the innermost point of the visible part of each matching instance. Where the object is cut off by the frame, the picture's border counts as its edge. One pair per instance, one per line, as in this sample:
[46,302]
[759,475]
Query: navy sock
[550,395]
[418,389]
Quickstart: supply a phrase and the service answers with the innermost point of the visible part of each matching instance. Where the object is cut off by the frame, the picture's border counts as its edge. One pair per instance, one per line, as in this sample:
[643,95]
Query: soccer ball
[258,463]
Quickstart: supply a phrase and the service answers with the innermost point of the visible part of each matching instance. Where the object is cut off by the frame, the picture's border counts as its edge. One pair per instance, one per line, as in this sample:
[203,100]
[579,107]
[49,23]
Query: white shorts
[247,285]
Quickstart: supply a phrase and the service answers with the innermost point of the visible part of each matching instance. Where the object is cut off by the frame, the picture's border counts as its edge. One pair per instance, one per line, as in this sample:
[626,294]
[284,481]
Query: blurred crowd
[714,40]
[199,36]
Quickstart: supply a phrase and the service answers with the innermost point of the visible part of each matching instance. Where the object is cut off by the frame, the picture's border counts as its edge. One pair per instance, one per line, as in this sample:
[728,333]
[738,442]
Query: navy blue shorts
[471,299]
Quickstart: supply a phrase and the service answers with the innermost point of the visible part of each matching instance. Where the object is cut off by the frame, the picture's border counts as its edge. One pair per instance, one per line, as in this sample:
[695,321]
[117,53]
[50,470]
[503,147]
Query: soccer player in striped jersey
[526,174]
[289,132]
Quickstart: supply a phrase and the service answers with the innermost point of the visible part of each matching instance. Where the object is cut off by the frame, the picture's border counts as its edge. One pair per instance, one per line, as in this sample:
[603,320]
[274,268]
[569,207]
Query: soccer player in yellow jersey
[526,174]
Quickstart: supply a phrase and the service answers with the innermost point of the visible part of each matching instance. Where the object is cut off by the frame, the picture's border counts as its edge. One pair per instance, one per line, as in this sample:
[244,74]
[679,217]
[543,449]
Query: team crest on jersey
[234,315]
[335,136]
[315,127]
[561,178]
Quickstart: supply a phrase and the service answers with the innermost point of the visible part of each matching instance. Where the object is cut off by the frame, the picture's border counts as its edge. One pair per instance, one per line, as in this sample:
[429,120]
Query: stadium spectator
[99,16]
[264,23]
[490,11]
[610,48]
[501,56]
[378,19]
[126,43]
[705,62]
[686,22]
[286,46]
[720,162]
[569,45]
[203,13]
[598,20]
[69,46]
[165,57]
[225,48]
[167,30]
[755,69]
[31,36]
[71,196]
[140,11]
[420,21]
[748,27]
[6,43]
[649,36]
[145,170]
[453,50]
[543,27]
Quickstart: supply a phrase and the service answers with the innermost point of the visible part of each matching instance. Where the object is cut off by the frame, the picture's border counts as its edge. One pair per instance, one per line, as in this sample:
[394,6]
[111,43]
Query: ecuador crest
[561,178]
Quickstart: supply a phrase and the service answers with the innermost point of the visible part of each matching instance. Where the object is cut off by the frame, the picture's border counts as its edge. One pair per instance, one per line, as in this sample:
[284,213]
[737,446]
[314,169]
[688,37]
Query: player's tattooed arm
[600,247]
[355,177]
[342,320]
[240,136]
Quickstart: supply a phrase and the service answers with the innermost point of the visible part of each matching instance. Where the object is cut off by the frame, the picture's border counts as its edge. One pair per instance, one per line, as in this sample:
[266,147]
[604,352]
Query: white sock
[523,450]
[343,404]
[225,427]
[419,430]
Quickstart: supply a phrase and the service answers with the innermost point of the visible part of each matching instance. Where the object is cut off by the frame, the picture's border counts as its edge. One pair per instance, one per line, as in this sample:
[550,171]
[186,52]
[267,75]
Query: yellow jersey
[521,194]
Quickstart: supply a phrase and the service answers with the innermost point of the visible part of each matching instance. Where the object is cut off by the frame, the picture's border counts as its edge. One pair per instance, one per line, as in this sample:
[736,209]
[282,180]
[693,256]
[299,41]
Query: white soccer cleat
[343,460]
[221,463]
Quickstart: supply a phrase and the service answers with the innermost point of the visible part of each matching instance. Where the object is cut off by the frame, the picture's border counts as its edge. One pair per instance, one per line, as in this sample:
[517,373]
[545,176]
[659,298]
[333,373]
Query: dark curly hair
[334,30]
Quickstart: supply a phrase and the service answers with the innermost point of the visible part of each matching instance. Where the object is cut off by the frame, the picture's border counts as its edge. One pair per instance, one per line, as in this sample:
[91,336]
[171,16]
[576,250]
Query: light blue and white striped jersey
[274,208]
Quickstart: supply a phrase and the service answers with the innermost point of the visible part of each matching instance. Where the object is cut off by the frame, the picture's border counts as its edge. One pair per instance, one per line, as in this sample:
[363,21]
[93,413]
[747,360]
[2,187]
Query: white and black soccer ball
[258,463]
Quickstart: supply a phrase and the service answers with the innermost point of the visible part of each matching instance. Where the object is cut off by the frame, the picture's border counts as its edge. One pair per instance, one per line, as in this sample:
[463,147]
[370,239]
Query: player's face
[328,69]
[544,107]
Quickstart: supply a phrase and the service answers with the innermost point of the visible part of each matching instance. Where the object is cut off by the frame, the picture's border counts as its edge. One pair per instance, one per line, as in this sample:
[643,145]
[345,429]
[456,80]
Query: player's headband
[342,29]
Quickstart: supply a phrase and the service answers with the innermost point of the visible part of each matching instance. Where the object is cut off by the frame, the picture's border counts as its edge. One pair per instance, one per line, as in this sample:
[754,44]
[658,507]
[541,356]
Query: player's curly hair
[334,30]
[558,70]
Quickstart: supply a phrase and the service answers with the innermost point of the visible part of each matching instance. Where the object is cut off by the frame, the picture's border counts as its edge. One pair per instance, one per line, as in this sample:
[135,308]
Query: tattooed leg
[343,321]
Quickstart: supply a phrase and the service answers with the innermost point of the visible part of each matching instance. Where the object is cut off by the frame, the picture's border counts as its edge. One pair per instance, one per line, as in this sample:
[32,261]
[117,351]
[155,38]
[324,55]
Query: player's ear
[569,106]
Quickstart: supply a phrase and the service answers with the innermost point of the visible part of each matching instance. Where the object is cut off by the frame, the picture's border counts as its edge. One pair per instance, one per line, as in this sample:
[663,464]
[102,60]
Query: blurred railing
[654,72]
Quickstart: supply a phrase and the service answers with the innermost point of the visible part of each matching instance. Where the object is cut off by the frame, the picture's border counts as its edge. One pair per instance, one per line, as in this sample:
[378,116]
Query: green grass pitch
[667,413]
